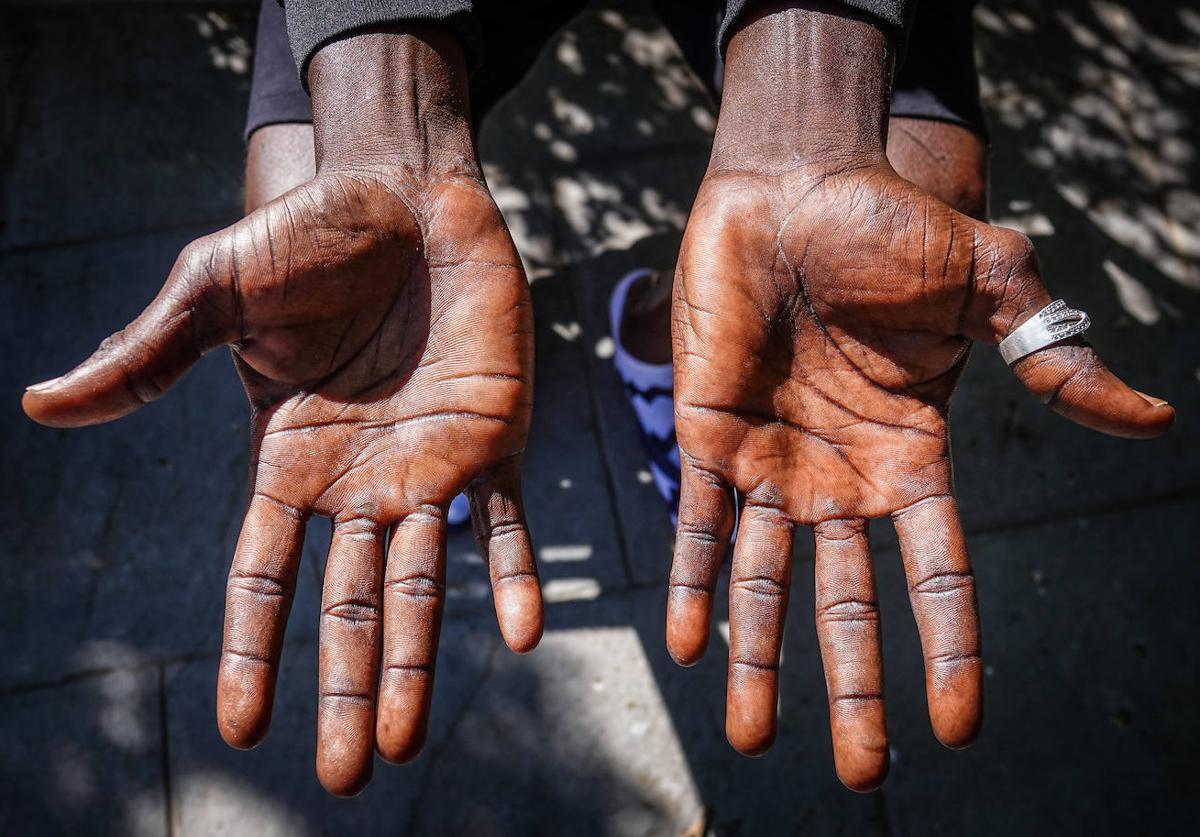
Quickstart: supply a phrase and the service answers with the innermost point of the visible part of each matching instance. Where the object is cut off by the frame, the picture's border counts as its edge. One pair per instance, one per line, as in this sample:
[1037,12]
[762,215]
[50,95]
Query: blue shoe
[649,388]
[459,512]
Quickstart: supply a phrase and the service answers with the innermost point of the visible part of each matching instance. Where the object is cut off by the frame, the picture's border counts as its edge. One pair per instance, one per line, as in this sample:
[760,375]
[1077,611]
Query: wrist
[392,97]
[805,83]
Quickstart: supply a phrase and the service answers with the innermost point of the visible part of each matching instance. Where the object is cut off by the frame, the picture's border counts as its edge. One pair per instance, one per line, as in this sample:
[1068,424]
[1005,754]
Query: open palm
[821,322]
[382,330]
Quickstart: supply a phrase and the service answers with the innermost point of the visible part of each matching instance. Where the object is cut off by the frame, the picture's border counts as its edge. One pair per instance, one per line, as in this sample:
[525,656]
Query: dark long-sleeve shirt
[312,23]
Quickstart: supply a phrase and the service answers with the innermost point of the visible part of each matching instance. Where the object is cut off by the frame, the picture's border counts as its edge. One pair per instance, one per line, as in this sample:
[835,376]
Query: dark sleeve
[938,79]
[313,23]
[275,92]
[895,16]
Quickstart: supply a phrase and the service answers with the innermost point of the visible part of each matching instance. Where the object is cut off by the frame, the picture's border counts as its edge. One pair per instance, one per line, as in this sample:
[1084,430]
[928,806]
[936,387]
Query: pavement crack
[437,752]
[164,732]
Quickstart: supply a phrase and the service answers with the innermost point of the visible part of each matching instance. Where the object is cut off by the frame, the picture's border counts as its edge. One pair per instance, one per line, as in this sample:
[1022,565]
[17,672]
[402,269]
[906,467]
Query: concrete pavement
[122,142]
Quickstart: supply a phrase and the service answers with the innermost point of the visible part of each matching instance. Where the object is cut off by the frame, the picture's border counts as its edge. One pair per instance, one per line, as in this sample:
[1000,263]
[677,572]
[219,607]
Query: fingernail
[44,385]
[1156,402]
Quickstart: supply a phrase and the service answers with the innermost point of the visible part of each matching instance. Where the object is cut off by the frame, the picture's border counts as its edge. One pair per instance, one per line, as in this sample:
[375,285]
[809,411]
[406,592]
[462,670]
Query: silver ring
[1053,324]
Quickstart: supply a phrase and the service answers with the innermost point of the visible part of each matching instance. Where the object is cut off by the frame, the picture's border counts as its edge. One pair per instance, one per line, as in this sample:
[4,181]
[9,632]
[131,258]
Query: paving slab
[645,522]
[612,84]
[138,116]
[1087,651]
[567,504]
[117,535]
[84,758]
[791,789]
[571,739]
[1094,156]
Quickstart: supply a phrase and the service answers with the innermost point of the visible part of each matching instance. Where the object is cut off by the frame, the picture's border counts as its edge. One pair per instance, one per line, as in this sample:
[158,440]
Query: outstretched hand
[824,308]
[381,324]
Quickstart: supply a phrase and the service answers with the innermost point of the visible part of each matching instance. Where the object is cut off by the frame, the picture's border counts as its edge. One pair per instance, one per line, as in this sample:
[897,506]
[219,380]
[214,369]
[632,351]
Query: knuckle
[342,700]
[231,656]
[352,612]
[848,610]
[416,586]
[945,583]
[1010,269]
[768,666]
[426,513]
[195,268]
[760,586]
[688,586]
[840,530]
[500,530]
[508,576]
[357,528]
[409,670]
[701,534]
[257,584]
[856,697]
[953,658]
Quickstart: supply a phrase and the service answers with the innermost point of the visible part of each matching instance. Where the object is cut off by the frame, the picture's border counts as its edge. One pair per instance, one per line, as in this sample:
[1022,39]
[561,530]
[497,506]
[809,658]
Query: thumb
[191,315]
[1068,377]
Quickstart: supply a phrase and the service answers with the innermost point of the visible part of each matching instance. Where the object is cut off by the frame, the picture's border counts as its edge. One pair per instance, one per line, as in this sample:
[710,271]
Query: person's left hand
[823,312]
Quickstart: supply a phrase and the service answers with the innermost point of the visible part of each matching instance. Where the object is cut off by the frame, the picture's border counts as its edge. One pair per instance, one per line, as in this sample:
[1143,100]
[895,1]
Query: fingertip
[686,653]
[686,647]
[245,696]
[341,779]
[402,720]
[1075,383]
[519,613]
[34,404]
[46,409]
[1131,417]
[957,718]
[958,734]
[752,700]
[687,627]
[1159,418]
[239,733]
[242,720]
[1153,400]
[80,398]
[400,742]
[860,747]
[864,772]
[750,740]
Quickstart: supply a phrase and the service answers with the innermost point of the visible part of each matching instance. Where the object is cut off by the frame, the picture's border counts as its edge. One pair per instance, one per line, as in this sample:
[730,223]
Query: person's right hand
[381,323]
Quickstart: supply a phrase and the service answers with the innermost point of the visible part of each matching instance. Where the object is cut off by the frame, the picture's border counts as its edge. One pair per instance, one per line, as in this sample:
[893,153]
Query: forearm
[805,83]
[394,96]
[279,158]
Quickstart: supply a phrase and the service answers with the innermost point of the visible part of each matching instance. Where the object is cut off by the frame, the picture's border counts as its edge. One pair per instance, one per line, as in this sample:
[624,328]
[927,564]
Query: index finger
[262,582]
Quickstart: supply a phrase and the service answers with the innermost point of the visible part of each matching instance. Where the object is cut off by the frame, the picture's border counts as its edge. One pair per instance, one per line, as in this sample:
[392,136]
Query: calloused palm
[382,330]
[821,322]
